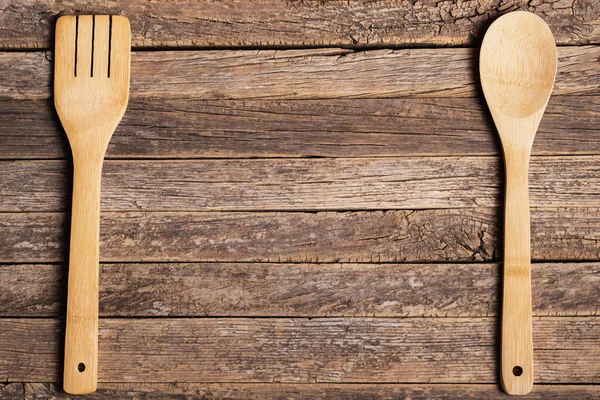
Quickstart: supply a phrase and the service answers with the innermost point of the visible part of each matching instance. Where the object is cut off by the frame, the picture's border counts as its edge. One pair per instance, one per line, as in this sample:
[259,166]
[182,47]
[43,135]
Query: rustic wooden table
[303,200]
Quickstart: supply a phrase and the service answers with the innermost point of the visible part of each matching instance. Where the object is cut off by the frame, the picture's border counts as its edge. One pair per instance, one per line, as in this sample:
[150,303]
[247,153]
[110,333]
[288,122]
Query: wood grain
[321,391]
[243,92]
[174,128]
[299,74]
[307,23]
[460,235]
[12,391]
[444,350]
[257,391]
[311,290]
[302,184]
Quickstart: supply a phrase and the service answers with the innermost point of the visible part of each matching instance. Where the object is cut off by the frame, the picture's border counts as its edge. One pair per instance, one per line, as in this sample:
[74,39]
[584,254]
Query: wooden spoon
[91,90]
[517,67]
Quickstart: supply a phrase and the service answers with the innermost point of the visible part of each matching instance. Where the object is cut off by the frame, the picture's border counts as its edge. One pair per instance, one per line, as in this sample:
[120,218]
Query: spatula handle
[517,341]
[81,337]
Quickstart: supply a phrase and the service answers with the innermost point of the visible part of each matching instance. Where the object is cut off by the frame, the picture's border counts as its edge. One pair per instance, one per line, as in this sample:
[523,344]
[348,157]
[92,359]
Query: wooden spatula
[91,90]
[517,67]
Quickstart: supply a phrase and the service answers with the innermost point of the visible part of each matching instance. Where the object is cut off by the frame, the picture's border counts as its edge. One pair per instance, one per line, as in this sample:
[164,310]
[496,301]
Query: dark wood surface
[321,391]
[299,74]
[301,289]
[349,128]
[303,200]
[313,23]
[303,350]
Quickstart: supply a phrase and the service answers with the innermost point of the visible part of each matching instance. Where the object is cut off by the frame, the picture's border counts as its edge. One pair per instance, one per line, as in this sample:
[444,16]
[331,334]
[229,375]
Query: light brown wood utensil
[517,67]
[91,90]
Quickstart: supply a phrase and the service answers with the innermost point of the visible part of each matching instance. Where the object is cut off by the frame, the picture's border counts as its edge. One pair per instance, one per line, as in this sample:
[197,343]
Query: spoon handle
[517,342]
[81,338]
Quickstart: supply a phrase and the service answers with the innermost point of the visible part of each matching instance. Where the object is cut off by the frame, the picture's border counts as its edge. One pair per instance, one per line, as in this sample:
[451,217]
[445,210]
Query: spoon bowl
[517,68]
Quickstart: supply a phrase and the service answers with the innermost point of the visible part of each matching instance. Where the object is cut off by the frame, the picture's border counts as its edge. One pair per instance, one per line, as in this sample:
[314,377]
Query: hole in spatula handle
[517,371]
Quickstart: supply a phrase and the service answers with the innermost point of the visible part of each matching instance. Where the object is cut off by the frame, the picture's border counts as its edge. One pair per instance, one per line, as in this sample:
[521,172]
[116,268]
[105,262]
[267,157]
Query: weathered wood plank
[321,391]
[443,350]
[393,236]
[28,24]
[300,74]
[311,290]
[302,184]
[12,391]
[174,128]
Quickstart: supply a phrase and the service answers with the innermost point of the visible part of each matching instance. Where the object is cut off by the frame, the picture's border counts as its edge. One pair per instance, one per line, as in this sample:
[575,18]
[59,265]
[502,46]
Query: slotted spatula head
[91,78]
